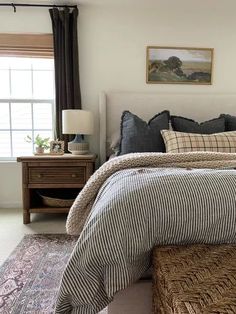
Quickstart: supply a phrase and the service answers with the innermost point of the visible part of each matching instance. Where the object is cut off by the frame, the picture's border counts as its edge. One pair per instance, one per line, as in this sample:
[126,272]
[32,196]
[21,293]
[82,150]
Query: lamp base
[78,146]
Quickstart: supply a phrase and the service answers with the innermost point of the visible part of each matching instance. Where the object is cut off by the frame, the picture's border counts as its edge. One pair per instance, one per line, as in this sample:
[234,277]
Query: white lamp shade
[77,122]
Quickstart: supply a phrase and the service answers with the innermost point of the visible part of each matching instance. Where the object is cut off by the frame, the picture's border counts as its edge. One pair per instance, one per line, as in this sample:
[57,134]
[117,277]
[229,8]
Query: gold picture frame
[179,65]
[57,147]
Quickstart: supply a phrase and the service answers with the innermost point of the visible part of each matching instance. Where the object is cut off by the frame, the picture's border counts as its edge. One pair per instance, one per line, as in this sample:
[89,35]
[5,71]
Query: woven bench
[197,279]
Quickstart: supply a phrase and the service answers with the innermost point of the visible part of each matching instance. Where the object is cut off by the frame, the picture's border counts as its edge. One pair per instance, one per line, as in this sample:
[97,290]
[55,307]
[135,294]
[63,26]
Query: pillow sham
[138,136]
[182,124]
[180,142]
[230,122]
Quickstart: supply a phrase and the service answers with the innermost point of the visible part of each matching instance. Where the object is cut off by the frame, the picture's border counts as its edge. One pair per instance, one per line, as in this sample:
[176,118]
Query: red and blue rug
[30,277]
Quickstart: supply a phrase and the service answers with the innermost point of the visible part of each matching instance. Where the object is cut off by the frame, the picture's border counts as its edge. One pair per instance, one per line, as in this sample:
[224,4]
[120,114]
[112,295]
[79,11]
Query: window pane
[19,78]
[20,63]
[4,63]
[43,134]
[21,84]
[43,64]
[21,116]
[5,146]
[19,144]
[43,84]
[4,84]
[42,115]
[4,116]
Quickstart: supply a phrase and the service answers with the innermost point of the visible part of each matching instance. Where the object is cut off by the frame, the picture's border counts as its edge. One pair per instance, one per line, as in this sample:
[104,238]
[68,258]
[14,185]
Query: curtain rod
[14,5]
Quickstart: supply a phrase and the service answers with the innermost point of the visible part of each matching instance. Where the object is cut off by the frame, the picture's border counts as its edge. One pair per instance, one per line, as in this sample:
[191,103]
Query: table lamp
[80,123]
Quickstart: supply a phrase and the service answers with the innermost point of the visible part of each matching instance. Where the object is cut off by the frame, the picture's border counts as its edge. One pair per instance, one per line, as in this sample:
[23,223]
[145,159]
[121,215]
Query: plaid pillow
[180,142]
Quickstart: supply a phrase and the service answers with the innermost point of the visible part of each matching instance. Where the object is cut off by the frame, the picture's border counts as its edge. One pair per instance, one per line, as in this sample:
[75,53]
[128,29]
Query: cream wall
[113,39]
[113,42]
[25,20]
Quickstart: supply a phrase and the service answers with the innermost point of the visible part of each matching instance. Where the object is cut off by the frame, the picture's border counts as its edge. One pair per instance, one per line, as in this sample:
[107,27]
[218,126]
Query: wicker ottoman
[195,279]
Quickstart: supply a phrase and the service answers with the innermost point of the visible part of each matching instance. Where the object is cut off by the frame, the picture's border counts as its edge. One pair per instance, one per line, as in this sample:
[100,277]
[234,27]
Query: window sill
[7,160]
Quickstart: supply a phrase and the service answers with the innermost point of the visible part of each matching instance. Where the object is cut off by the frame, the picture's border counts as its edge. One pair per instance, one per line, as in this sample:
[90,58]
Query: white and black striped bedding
[135,210]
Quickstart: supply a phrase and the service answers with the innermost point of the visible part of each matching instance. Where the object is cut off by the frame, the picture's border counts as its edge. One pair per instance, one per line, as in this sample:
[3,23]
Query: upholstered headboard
[199,107]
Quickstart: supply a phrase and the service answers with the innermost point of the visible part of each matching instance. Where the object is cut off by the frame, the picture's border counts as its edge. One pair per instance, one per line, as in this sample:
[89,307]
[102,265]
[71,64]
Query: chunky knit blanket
[82,206]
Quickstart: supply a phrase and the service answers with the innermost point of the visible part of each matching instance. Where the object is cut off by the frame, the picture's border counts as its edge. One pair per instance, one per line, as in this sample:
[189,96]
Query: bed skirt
[137,299]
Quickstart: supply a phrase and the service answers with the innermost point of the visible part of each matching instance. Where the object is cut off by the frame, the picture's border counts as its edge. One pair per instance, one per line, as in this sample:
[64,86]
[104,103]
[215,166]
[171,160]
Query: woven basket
[56,202]
[196,279]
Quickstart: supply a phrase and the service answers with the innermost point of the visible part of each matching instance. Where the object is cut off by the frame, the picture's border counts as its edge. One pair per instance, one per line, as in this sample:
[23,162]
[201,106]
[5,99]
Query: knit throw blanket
[84,201]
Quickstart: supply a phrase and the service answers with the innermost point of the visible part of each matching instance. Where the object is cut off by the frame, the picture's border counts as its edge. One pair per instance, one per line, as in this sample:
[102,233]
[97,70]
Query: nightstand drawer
[57,175]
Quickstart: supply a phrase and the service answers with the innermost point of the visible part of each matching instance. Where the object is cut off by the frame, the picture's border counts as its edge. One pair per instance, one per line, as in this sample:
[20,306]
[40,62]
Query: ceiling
[61,2]
[91,2]
[44,1]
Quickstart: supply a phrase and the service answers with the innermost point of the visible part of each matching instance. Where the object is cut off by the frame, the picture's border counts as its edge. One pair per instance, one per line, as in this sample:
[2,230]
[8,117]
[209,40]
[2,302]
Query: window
[26,97]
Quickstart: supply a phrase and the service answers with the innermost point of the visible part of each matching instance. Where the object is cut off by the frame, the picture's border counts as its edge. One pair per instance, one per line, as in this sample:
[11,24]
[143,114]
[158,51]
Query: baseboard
[10,205]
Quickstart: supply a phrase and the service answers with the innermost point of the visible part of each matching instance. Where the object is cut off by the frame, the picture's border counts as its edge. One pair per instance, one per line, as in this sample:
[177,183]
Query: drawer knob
[39,176]
[73,175]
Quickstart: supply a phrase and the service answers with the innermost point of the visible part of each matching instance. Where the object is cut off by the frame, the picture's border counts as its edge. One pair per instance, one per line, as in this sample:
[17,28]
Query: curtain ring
[14,7]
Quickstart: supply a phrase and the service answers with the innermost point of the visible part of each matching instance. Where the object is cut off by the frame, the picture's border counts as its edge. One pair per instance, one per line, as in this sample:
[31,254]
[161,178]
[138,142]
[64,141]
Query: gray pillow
[230,122]
[139,136]
[182,124]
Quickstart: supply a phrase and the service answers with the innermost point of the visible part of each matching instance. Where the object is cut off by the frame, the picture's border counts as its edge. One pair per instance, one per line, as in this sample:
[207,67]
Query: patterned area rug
[30,278]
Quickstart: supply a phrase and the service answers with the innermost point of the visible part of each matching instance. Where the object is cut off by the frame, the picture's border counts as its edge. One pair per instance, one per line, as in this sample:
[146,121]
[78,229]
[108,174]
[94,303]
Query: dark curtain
[67,84]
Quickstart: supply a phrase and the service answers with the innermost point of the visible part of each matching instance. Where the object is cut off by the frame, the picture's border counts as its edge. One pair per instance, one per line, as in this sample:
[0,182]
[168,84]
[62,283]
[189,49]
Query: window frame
[27,45]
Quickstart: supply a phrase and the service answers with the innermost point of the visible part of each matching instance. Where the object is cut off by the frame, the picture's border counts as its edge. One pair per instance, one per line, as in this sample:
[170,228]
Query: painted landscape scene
[179,65]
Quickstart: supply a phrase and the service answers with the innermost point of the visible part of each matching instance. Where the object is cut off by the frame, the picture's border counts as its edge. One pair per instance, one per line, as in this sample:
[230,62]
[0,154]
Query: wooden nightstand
[52,172]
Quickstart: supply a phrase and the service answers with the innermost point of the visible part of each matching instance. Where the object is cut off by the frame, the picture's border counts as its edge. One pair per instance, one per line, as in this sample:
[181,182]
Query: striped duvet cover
[135,210]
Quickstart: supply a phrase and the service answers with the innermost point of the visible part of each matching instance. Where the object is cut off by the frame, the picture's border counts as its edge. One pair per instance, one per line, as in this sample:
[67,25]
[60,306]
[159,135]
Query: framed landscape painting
[170,65]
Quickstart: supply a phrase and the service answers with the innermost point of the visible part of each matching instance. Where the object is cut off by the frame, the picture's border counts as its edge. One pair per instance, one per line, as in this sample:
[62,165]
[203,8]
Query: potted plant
[41,143]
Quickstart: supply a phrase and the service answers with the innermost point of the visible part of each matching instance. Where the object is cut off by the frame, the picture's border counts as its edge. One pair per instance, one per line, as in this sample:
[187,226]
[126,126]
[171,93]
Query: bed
[131,295]
[137,299]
